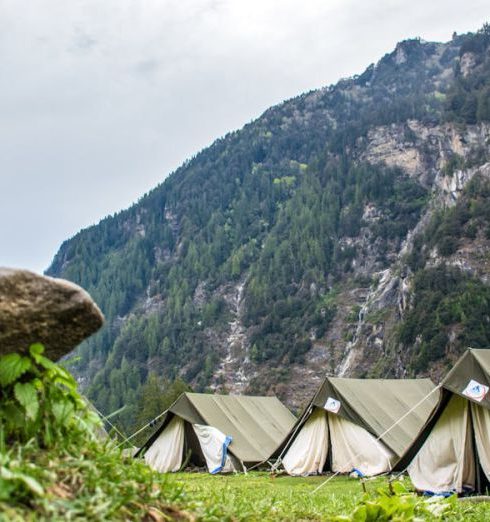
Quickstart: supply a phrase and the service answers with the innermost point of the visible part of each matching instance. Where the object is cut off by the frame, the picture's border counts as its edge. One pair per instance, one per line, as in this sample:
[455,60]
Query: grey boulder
[54,312]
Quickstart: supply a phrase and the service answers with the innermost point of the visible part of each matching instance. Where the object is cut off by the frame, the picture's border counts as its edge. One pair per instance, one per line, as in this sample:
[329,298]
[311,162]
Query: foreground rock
[35,308]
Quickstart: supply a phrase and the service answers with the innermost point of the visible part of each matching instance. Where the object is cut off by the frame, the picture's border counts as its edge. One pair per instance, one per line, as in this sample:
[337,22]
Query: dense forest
[288,208]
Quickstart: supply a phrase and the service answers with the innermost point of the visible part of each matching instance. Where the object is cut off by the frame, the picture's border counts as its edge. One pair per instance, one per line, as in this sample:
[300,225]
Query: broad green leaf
[63,411]
[36,350]
[12,366]
[360,514]
[6,489]
[68,382]
[26,394]
[13,414]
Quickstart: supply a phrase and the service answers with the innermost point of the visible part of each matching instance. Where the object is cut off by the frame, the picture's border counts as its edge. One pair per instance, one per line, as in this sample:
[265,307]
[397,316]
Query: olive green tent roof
[257,425]
[472,365]
[378,405]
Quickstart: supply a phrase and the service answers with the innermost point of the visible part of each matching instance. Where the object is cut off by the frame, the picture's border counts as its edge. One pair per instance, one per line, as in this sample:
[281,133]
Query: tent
[360,425]
[224,432]
[452,451]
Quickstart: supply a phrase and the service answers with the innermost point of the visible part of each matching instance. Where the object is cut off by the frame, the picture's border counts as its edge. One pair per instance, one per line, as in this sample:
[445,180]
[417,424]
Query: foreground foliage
[54,463]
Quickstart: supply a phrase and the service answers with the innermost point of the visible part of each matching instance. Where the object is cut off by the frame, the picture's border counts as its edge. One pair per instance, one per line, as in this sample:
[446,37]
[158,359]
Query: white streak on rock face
[235,370]
[377,298]
[467,63]
[449,188]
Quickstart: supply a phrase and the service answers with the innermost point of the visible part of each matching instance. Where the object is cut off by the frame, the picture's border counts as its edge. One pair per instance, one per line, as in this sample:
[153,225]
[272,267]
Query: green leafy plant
[38,399]
[53,464]
[398,503]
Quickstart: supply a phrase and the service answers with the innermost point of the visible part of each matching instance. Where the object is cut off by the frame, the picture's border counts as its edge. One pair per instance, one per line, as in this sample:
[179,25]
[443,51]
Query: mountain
[345,231]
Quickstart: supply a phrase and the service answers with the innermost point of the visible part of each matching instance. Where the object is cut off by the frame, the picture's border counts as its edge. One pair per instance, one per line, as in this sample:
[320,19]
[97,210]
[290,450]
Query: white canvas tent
[222,432]
[346,427]
[452,451]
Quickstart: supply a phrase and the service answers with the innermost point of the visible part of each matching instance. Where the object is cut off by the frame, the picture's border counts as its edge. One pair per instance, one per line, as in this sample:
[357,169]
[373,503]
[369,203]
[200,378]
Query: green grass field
[258,496]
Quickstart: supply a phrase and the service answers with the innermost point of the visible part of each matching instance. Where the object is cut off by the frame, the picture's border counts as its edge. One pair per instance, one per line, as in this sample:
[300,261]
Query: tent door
[214,446]
[353,447]
[308,452]
[166,452]
[192,444]
[446,460]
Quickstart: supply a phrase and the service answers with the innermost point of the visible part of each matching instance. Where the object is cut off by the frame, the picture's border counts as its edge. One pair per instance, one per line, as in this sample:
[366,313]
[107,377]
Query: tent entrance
[166,453]
[354,448]
[329,442]
[182,443]
[308,452]
[192,445]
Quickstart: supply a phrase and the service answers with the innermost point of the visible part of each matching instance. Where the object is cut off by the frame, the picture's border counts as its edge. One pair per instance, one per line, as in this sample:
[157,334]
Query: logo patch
[475,391]
[332,405]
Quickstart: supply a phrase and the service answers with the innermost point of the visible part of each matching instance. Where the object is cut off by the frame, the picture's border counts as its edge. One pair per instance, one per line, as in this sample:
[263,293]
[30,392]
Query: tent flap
[214,446]
[308,453]
[481,425]
[355,448]
[446,460]
[165,454]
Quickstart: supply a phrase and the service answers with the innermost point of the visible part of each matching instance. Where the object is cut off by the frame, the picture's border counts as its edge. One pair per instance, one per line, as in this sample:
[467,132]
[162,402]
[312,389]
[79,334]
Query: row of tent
[439,434]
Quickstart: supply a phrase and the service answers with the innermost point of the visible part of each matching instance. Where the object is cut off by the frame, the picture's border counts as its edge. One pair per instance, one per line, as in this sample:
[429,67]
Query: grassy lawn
[258,496]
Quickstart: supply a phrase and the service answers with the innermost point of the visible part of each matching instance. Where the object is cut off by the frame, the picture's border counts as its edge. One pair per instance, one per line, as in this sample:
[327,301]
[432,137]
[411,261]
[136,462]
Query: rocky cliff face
[306,243]
[362,339]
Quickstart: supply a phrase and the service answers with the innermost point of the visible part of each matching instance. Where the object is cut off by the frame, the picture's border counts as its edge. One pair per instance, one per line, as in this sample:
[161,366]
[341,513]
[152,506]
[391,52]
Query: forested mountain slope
[345,231]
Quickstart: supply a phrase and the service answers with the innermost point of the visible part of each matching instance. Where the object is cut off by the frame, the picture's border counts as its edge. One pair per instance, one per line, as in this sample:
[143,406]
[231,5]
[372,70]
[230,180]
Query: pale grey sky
[101,99]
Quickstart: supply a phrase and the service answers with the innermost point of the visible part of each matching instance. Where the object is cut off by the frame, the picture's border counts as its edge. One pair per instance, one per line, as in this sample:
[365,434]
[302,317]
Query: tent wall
[354,447]
[308,453]
[351,447]
[424,432]
[481,426]
[166,453]
[446,460]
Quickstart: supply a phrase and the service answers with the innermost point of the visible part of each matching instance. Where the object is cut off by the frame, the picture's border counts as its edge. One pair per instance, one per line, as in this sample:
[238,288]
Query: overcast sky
[101,99]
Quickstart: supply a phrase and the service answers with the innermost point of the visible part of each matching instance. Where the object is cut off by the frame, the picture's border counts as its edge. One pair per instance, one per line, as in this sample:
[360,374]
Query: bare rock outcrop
[54,312]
